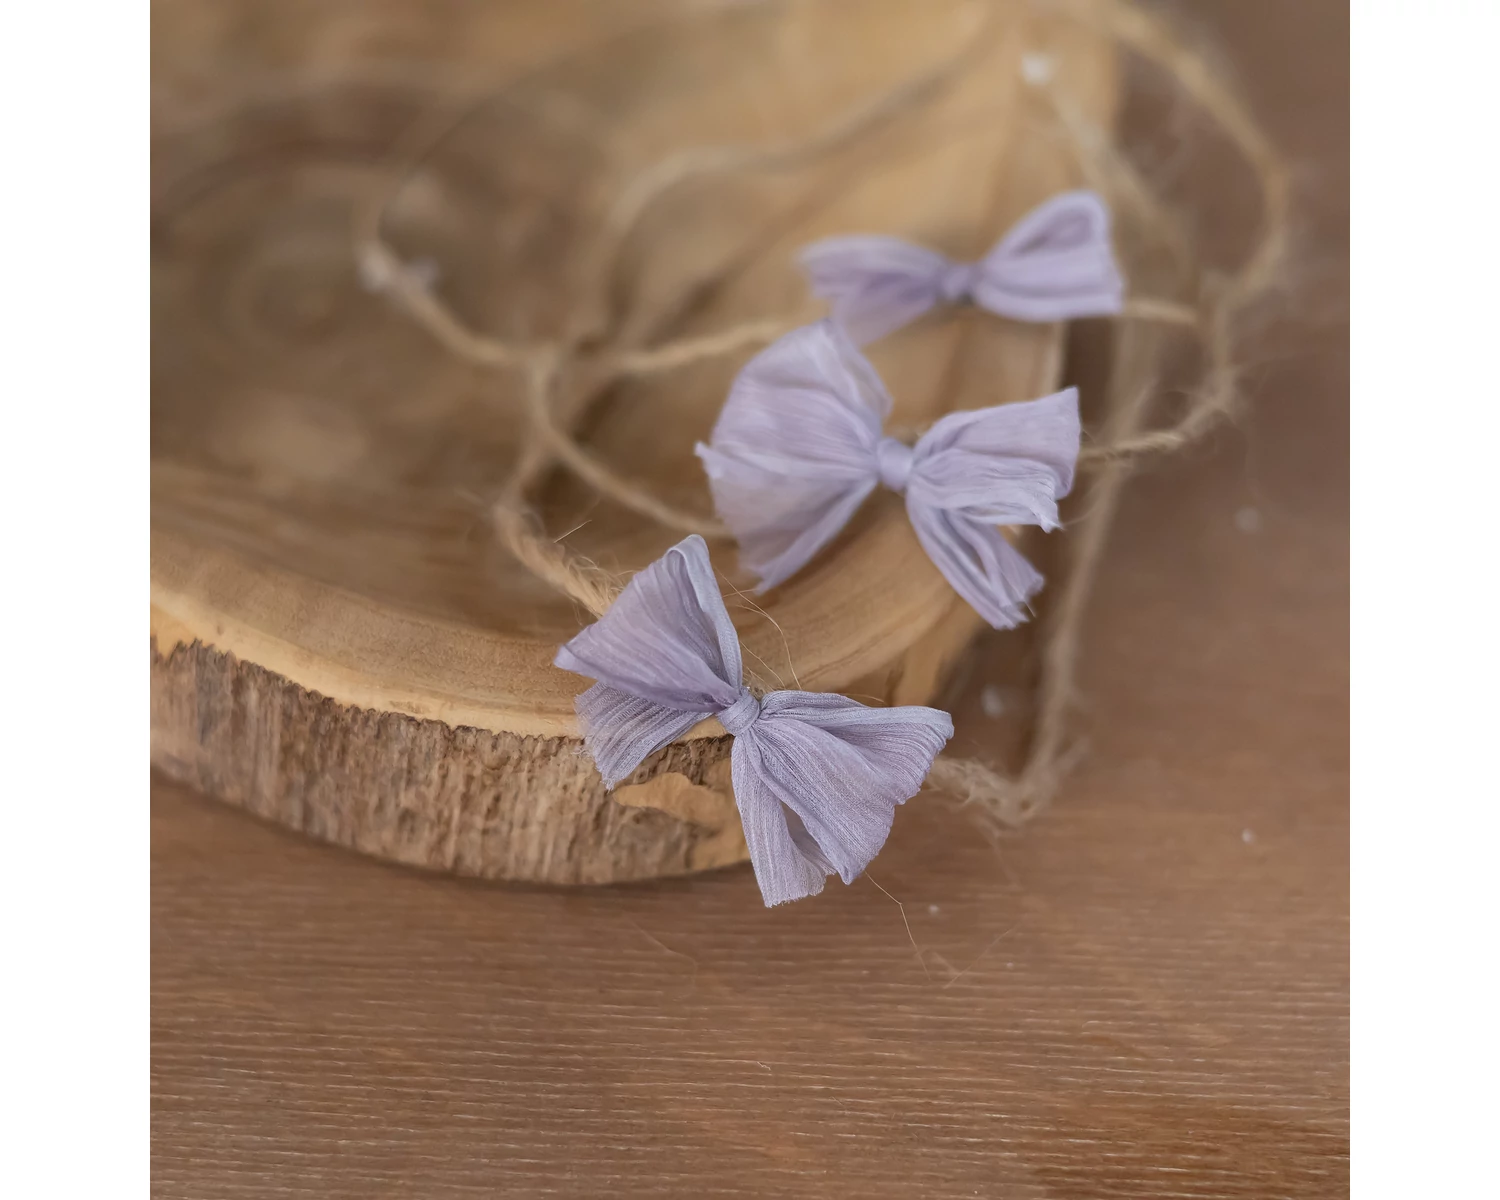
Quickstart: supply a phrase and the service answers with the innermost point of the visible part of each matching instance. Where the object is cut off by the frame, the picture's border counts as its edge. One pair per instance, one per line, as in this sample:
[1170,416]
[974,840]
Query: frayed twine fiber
[563,377]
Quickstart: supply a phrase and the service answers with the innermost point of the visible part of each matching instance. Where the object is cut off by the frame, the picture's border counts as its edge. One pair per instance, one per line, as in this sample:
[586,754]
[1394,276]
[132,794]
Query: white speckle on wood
[1037,68]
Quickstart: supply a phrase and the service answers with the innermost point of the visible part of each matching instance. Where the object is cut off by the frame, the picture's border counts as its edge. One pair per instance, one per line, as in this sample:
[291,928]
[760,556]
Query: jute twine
[1204,315]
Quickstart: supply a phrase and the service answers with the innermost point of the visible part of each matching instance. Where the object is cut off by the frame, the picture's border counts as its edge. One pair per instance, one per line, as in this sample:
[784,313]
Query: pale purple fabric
[816,776]
[798,447]
[1054,265]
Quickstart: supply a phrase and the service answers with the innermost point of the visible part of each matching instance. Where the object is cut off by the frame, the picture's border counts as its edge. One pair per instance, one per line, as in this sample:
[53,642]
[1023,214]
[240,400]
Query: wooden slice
[338,643]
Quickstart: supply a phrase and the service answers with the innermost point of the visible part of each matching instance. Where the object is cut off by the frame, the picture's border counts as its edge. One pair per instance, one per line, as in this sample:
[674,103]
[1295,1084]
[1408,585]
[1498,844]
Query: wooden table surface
[1145,993]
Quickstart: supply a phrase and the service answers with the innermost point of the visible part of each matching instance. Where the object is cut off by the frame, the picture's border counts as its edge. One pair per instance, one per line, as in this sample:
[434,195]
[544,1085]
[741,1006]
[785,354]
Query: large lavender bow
[798,447]
[1055,265]
[816,776]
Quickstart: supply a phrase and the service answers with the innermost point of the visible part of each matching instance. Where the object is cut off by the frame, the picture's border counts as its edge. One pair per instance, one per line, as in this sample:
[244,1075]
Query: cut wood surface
[337,641]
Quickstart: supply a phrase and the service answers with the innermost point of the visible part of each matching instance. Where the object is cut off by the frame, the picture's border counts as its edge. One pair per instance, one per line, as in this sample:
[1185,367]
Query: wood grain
[1145,994]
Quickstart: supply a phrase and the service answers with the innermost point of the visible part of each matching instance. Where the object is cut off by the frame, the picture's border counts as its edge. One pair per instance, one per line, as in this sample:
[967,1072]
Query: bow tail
[984,568]
[787,866]
[621,730]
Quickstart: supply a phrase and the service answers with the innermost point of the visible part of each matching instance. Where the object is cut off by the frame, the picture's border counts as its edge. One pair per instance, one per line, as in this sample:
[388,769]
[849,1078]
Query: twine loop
[1210,313]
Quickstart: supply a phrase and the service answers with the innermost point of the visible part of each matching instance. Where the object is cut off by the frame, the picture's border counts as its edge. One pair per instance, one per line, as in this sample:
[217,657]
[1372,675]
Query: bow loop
[1056,264]
[876,284]
[794,451]
[816,777]
[667,639]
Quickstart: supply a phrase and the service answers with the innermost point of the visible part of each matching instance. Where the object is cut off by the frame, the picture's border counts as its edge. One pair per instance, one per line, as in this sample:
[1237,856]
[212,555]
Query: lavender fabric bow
[816,776]
[798,447]
[1055,265]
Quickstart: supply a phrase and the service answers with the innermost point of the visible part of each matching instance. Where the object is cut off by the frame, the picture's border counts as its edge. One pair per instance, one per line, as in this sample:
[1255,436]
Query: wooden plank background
[1145,994]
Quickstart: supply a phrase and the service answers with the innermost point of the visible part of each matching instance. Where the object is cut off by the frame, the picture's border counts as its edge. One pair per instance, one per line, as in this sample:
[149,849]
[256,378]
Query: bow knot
[1055,264]
[742,714]
[799,446]
[958,280]
[894,459]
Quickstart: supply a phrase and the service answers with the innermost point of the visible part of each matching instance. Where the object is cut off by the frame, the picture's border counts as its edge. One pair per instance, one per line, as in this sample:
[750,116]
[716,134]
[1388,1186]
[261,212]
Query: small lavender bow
[1055,265]
[816,776]
[798,447]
